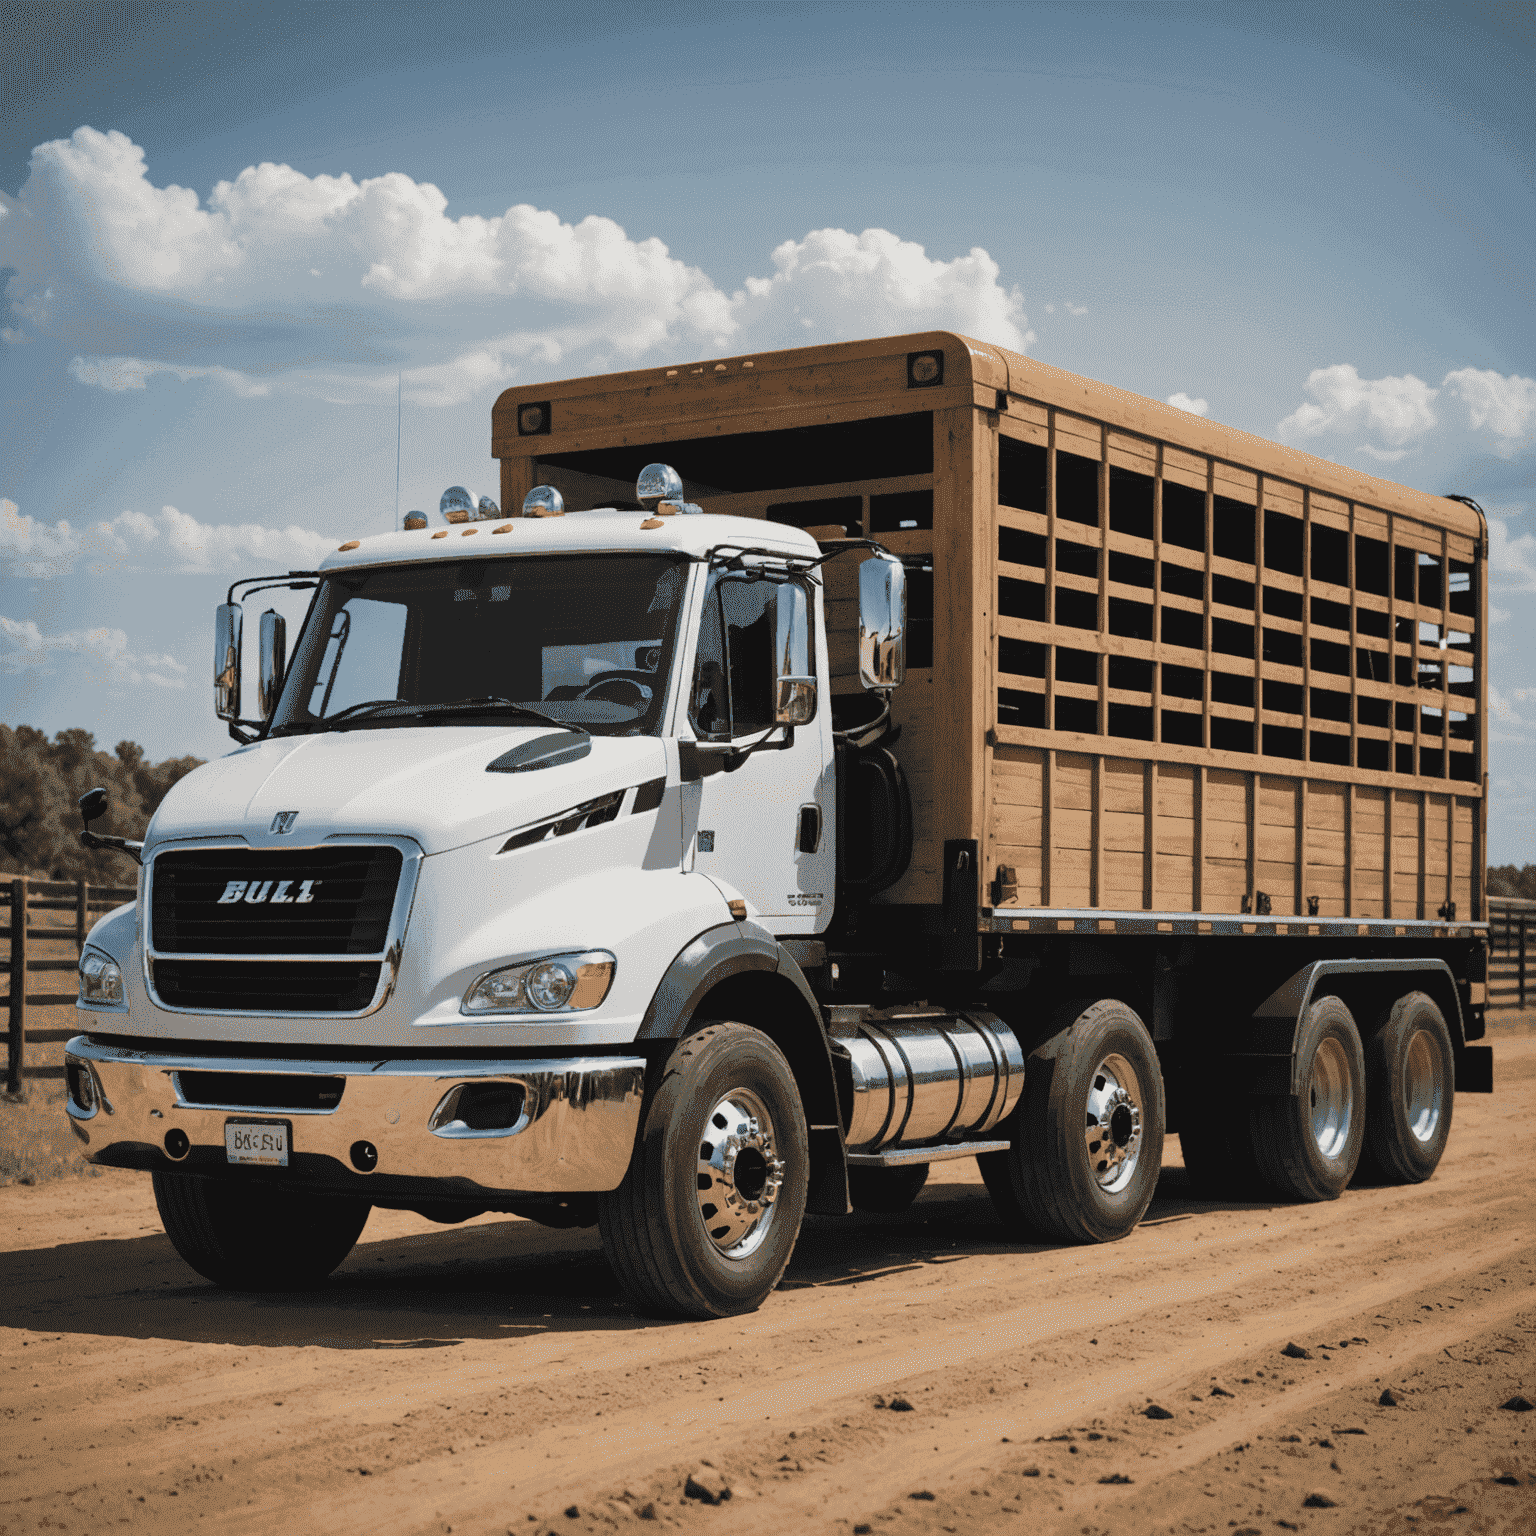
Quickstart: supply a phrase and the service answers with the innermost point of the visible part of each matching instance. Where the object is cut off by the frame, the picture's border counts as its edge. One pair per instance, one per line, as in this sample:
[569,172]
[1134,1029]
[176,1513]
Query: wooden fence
[1511,952]
[36,950]
[38,930]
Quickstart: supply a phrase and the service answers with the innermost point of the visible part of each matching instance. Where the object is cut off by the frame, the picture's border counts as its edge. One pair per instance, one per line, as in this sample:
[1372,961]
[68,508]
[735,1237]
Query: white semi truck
[596,866]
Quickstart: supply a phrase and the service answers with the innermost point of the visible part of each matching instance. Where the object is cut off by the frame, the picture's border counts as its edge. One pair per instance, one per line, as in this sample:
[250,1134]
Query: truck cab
[529,789]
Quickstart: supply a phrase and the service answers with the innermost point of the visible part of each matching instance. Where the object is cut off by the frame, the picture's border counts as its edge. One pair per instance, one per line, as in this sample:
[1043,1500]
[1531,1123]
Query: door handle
[809,837]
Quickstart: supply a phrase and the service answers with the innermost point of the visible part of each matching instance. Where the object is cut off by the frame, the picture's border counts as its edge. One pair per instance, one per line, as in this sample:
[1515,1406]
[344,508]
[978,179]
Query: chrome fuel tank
[917,1078]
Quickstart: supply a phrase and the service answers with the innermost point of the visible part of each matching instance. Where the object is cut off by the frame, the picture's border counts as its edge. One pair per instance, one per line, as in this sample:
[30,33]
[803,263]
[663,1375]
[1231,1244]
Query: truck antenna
[399,416]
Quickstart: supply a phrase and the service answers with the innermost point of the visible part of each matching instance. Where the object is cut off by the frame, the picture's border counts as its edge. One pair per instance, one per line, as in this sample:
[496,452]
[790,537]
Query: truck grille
[220,901]
[222,986]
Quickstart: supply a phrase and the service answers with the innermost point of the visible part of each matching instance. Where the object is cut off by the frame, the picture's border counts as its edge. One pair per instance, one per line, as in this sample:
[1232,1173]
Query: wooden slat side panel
[1016,821]
[1368,851]
[1406,854]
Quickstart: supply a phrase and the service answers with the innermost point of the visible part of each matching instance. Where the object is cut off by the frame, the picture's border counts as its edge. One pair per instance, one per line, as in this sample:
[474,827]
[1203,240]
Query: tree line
[40,781]
[1512,880]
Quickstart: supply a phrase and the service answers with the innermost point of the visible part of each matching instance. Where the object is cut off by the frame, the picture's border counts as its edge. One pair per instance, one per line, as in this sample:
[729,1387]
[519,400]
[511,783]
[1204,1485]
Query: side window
[362,657]
[744,625]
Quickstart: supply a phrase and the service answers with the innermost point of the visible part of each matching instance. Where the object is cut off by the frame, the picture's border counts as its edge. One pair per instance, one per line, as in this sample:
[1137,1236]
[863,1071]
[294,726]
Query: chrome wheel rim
[739,1174]
[1423,1090]
[1114,1124]
[1330,1096]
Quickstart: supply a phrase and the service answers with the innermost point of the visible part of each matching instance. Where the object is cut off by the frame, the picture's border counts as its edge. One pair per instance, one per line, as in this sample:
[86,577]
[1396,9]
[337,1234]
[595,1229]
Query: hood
[427,783]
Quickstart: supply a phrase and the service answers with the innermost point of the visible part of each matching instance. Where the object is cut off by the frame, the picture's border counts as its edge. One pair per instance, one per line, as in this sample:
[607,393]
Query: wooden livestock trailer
[1156,665]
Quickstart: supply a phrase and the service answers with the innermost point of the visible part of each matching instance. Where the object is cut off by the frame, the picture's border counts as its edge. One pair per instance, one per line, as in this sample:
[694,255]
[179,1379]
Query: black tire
[1308,1144]
[1410,1087]
[688,1232]
[886,1191]
[1058,1182]
[248,1238]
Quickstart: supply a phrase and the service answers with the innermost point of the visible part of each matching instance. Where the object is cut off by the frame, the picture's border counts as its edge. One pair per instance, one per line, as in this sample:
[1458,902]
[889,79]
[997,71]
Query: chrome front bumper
[574,1133]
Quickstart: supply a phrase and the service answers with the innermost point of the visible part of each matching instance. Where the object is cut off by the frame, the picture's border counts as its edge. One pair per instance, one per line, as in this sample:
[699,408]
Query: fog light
[176,1145]
[82,1086]
[365,1156]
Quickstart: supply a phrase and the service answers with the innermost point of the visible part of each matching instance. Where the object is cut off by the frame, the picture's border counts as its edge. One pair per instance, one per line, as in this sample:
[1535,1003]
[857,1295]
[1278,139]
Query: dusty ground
[485,1379]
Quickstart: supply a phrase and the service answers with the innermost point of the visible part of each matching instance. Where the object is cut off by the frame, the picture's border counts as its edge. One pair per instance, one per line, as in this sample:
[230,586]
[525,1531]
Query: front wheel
[1087,1134]
[248,1238]
[707,1216]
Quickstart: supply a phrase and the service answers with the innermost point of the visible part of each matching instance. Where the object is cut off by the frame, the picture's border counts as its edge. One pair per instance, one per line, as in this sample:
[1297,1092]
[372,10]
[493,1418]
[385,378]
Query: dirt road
[914,1374]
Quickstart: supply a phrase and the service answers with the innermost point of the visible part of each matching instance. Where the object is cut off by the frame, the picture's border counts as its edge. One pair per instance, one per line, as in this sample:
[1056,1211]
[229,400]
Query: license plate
[263,1143]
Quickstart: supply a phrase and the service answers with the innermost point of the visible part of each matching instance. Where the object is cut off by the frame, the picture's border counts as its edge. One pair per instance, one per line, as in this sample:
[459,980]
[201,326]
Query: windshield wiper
[372,709]
[492,702]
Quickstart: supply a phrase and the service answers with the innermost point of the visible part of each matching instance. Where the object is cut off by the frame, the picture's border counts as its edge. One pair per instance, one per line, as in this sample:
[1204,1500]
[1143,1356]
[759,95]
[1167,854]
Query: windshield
[584,641]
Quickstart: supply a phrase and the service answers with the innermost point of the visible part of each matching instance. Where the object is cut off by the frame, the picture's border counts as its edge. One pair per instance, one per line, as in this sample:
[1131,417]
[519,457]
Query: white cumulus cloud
[1503,407]
[171,541]
[24,646]
[1511,560]
[1398,410]
[326,284]
[1184,402]
[833,285]
[1398,414]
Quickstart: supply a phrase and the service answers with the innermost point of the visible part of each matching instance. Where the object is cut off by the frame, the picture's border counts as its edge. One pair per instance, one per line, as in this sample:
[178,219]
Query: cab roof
[603,530]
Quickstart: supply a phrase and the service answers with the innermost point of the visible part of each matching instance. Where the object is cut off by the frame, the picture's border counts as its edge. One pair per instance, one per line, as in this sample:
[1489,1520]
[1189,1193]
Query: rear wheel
[708,1213]
[1308,1144]
[1410,1077]
[886,1191]
[1087,1134]
[248,1238]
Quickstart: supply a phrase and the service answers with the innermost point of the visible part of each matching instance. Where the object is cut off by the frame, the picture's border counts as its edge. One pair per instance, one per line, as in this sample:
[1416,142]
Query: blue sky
[224,228]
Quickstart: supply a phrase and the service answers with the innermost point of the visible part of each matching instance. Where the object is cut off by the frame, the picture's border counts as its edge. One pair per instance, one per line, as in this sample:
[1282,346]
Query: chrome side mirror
[274,660]
[794,681]
[882,622]
[794,701]
[226,660]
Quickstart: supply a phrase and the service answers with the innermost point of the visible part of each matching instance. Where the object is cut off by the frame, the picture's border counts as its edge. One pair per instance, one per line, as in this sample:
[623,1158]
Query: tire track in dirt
[628,1443]
[969,1443]
[247,1410]
[795,1388]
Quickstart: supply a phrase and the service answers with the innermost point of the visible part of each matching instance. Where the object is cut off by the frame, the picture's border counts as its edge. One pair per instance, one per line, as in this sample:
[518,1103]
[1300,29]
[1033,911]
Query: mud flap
[1474,1069]
[828,1194]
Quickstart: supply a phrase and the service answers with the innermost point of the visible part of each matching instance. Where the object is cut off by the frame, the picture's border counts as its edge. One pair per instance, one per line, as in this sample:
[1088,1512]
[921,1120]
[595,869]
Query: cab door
[763,828]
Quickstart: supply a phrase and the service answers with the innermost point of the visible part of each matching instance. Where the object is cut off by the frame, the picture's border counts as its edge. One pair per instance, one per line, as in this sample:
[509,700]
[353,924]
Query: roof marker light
[658,482]
[543,501]
[456,505]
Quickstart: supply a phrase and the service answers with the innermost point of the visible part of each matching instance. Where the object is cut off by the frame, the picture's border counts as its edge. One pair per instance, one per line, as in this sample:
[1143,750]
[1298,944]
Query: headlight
[101,981]
[558,984]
